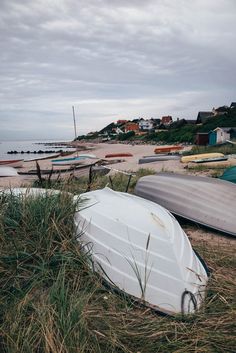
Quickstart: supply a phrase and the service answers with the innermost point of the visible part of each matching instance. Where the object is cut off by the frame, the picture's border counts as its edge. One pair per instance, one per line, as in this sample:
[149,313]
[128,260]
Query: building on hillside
[166,120]
[121,122]
[203,116]
[202,138]
[221,135]
[181,122]
[156,122]
[233,105]
[118,130]
[130,126]
[145,124]
[221,110]
[190,121]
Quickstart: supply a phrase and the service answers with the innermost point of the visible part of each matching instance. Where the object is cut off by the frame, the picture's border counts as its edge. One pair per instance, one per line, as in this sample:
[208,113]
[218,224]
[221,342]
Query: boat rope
[192,299]
[117,170]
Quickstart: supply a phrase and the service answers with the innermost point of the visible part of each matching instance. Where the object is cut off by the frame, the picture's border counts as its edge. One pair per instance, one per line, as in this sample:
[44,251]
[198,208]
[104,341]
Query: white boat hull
[141,249]
[7,172]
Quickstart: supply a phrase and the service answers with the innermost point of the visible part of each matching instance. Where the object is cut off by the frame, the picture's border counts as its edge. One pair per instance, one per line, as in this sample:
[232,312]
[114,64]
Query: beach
[128,164]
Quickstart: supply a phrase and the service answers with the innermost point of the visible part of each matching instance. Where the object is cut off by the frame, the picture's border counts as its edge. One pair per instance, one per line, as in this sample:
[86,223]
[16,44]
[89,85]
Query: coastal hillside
[180,131]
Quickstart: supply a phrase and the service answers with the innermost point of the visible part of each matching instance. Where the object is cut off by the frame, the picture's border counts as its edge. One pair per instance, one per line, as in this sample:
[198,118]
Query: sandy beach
[129,164]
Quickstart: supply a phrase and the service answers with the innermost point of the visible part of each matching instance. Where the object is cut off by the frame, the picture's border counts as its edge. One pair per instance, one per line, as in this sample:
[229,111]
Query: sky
[111,59]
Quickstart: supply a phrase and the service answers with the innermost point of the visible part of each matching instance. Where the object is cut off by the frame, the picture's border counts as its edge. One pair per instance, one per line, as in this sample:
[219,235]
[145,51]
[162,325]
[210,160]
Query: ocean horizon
[29,145]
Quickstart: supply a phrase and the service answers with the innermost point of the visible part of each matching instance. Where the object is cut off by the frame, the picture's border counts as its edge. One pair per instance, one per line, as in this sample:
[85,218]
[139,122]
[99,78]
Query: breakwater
[35,152]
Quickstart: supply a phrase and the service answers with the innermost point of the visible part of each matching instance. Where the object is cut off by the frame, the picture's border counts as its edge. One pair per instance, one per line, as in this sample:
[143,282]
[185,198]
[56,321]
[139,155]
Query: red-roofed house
[166,120]
[131,127]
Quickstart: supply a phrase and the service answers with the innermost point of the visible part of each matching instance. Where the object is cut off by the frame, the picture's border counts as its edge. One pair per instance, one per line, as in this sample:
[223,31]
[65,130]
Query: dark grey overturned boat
[207,201]
[156,158]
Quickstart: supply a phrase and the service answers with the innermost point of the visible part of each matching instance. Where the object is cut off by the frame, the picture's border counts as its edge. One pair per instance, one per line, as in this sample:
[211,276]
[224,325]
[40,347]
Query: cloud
[112,59]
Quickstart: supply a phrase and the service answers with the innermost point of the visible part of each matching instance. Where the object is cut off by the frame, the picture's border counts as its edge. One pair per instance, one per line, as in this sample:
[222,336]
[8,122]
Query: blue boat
[72,160]
[229,174]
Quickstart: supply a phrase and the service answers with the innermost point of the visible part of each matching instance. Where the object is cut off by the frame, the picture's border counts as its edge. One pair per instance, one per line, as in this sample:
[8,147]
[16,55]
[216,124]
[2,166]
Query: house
[145,124]
[203,116]
[118,130]
[121,122]
[156,122]
[202,138]
[130,126]
[166,120]
[221,135]
[221,110]
[190,121]
[181,122]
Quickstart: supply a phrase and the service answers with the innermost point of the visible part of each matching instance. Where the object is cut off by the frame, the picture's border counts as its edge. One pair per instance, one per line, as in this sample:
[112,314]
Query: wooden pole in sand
[73,110]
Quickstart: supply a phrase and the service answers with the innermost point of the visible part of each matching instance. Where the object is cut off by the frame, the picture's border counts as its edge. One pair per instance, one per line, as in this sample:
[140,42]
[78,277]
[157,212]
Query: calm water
[19,146]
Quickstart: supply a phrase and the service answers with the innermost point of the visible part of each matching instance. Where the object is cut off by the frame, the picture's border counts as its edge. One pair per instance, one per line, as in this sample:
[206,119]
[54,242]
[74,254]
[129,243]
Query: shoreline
[128,164]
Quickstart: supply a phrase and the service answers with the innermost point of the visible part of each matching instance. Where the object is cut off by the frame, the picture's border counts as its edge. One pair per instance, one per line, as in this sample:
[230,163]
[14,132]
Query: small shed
[222,134]
[212,138]
[202,138]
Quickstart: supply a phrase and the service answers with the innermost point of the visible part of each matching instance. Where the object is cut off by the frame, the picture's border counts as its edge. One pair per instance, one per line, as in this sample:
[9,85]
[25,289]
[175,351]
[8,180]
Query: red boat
[17,163]
[114,155]
[167,149]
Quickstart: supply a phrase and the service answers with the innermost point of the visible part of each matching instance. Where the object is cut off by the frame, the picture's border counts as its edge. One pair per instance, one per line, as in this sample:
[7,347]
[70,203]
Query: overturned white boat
[140,248]
[8,172]
[207,201]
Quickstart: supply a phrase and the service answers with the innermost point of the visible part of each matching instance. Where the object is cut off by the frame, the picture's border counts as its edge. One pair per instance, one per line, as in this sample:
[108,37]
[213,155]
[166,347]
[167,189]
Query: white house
[145,124]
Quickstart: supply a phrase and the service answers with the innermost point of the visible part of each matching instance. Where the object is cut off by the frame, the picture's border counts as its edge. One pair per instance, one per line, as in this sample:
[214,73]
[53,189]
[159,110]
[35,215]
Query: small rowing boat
[166,149]
[210,160]
[193,157]
[140,248]
[115,155]
[207,201]
[151,159]
[54,155]
[7,172]
[73,160]
[15,163]
[229,175]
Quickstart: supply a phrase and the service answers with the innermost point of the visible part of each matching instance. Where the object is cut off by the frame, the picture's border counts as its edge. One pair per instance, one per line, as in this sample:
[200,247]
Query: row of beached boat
[139,247]
[194,158]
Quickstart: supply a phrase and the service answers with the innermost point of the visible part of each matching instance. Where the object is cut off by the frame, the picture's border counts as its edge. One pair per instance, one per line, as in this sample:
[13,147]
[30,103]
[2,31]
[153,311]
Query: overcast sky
[111,59]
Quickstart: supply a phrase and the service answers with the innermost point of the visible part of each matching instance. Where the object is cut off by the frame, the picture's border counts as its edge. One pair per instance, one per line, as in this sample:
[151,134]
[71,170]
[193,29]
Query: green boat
[229,174]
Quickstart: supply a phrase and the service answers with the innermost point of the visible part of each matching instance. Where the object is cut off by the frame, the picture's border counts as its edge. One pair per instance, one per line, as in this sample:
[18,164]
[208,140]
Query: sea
[30,146]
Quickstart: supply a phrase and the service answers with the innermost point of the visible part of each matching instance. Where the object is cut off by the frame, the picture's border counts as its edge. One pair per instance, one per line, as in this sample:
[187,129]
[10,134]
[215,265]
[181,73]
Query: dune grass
[225,149]
[51,300]
[117,181]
